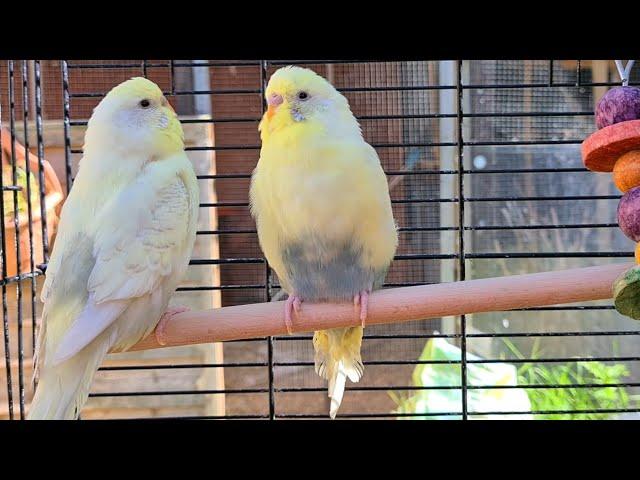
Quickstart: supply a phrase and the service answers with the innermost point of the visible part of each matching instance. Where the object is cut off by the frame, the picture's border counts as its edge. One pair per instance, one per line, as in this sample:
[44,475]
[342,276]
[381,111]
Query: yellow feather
[318,181]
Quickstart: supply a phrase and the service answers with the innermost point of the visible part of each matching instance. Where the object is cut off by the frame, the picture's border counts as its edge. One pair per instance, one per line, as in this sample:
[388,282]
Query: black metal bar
[221,261]
[448,200]
[16,225]
[481,361]
[183,366]
[450,414]
[160,393]
[222,176]
[204,288]
[443,256]
[108,66]
[261,286]
[247,63]
[255,91]
[19,278]
[25,118]
[77,123]
[172,73]
[558,412]
[558,359]
[498,86]
[578,74]
[551,255]
[555,334]
[503,86]
[384,388]
[5,313]
[562,226]
[543,198]
[42,189]
[41,178]
[264,65]
[206,417]
[441,229]
[67,127]
[368,415]
[462,253]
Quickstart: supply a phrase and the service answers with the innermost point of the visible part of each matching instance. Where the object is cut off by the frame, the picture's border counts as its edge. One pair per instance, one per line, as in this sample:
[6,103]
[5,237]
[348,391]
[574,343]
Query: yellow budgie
[124,241]
[322,208]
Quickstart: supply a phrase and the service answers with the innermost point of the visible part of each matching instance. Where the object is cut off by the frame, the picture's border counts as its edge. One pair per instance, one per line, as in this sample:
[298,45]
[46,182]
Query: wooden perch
[393,305]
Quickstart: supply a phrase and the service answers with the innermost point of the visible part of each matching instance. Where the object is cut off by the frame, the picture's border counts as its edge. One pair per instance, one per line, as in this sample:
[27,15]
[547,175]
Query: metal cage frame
[461,173]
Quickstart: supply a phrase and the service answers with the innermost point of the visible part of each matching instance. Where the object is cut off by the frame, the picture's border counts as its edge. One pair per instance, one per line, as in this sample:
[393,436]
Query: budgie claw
[362,299]
[293,303]
[162,324]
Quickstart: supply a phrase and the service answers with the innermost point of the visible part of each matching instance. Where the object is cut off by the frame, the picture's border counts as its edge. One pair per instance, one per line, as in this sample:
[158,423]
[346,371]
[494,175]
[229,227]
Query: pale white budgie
[124,242]
[323,212]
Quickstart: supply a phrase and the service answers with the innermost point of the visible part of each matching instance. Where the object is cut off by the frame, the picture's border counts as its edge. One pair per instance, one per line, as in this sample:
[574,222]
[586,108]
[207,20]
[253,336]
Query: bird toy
[615,147]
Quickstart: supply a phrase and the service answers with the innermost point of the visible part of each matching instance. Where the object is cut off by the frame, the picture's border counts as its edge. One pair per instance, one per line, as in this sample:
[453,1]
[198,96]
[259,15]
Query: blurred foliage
[7,179]
[573,398]
[584,395]
[440,372]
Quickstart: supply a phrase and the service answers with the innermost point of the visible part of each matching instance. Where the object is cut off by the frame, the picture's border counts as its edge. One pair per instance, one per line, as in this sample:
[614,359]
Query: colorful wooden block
[626,171]
[626,293]
[620,104]
[602,149]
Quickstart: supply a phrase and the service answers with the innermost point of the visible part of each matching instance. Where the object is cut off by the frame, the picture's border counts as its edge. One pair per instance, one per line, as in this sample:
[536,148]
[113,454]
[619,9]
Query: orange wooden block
[626,171]
[601,149]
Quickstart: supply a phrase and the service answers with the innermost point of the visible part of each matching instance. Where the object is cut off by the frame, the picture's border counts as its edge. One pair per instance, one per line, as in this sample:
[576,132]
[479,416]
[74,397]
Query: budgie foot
[162,324]
[294,302]
[362,299]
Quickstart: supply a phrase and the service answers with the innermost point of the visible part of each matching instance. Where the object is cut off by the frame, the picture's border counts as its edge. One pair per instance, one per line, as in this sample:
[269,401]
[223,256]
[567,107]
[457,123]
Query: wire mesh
[486,179]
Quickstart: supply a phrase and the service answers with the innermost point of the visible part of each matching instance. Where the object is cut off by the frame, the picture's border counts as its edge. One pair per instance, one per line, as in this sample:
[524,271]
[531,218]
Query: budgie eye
[144,103]
[303,95]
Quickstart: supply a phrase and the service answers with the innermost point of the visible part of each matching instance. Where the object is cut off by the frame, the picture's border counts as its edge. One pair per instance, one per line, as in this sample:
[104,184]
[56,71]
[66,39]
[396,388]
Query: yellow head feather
[309,105]
[137,87]
[136,112]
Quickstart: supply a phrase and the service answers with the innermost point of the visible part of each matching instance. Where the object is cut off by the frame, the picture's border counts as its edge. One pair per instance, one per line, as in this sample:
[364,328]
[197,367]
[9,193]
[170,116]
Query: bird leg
[362,299]
[293,302]
[162,324]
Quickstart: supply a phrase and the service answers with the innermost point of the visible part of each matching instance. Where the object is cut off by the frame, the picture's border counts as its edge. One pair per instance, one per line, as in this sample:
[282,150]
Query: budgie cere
[321,203]
[125,238]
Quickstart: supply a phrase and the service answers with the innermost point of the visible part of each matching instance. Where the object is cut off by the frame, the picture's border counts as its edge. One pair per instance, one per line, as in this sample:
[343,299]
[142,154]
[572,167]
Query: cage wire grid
[486,179]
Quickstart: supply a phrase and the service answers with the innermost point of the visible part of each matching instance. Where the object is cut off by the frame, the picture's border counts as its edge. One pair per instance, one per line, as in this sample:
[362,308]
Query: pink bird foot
[162,324]
[294,302]
[362,299]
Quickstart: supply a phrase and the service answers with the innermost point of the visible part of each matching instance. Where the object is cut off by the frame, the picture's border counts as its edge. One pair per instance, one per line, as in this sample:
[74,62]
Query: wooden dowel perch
[393,305]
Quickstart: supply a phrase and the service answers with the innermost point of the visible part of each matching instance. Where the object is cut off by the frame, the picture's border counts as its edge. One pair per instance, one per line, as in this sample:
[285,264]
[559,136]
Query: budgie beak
[273,101]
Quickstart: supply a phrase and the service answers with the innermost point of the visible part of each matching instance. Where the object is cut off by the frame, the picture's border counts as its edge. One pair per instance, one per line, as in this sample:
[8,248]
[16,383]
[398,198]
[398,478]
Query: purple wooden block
[629,214]
[618,105]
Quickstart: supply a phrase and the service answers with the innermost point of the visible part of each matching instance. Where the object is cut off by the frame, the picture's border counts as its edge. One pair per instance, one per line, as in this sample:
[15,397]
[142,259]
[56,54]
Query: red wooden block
[601,149]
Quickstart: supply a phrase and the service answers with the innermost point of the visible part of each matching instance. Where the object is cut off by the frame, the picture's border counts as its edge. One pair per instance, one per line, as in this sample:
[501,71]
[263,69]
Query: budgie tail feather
[337,358]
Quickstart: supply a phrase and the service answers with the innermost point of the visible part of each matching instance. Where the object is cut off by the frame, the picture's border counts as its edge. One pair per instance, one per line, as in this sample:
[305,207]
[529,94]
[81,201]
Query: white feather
[93,320]
[110,279]
[336,389]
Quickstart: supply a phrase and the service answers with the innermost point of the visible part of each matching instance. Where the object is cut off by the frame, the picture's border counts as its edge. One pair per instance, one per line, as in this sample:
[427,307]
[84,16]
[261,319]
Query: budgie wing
[376,227]
[265,211]
[142,239]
